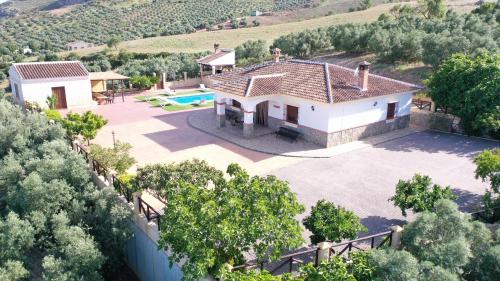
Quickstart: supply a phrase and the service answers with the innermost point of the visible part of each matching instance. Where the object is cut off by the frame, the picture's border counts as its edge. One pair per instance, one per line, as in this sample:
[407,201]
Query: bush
[144,82]
[116,158]
[53,114]
[332,223]
[333,270]
[418,195]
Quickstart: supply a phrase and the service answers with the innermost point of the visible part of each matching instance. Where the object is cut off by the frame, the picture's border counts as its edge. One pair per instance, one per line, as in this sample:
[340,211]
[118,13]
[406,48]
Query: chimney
[276,54]
[364,68]
[216,48]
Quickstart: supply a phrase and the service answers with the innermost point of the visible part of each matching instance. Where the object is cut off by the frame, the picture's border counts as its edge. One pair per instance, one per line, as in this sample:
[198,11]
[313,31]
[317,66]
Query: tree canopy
[469,86]
[419,194]
[211,221]
[53,219]
[328,222]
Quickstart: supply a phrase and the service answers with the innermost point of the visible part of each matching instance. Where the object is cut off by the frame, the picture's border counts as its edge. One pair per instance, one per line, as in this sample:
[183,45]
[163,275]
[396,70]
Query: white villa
[326,103]
[69,81]
[222,60]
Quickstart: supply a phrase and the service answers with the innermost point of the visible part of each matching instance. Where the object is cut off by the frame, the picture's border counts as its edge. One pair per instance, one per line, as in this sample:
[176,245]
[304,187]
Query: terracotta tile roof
[50,70]
[214,56]
[310,80]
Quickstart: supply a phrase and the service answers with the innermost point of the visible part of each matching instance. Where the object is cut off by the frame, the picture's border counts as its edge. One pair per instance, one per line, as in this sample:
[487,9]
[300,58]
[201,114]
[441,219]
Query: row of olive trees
[130,20]
[403,37]
[53,220]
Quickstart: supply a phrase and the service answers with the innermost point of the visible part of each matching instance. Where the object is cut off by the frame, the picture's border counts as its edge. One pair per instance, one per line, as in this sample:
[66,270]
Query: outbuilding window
[292,114]
[391,110]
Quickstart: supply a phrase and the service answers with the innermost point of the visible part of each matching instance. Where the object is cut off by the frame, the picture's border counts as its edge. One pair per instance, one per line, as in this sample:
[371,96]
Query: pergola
[99,82]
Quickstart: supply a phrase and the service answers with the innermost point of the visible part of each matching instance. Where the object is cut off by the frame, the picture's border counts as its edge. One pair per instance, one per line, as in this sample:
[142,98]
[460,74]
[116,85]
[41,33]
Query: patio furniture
[196,103]
[163,101]
[100,98]
[203,87]
[233,117]
[288,133]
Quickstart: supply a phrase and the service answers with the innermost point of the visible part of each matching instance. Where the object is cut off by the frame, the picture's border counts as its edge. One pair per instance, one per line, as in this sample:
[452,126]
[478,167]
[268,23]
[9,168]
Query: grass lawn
[175,107]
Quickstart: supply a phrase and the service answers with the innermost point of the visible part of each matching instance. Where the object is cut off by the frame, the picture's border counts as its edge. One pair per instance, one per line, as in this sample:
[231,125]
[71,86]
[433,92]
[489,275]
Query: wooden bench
[287,133]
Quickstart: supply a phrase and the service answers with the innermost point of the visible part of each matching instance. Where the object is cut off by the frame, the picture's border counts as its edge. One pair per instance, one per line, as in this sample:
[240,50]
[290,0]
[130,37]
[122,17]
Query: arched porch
[252,115]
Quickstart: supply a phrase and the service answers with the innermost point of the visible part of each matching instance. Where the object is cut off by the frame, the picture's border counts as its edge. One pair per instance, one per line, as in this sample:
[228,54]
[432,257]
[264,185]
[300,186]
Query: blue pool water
[190,99]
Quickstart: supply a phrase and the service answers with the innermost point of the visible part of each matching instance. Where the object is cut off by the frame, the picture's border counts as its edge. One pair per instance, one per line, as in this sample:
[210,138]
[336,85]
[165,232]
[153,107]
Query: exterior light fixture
[312,107]
[375,103]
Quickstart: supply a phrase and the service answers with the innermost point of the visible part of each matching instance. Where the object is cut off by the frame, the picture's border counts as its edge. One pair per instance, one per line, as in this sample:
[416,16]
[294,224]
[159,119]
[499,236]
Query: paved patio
[158,136]
[265,140]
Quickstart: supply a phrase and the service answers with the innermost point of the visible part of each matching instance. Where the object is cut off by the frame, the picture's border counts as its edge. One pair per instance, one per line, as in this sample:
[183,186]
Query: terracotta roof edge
[328,84]
[249,87]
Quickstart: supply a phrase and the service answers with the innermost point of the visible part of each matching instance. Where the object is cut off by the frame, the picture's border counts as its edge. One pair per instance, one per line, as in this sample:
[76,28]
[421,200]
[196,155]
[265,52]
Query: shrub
[144,82]
[116,158]
[333,270]
[53,114]
[332,223]
[419,194]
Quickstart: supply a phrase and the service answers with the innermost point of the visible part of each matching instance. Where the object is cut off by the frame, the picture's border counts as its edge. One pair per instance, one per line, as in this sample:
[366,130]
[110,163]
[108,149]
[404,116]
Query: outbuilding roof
[51,70]
[316,81]
[108,75]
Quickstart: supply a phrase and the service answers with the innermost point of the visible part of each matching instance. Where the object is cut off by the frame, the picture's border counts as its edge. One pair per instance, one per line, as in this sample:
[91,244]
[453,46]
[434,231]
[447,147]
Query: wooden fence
[291,262]
[122,189]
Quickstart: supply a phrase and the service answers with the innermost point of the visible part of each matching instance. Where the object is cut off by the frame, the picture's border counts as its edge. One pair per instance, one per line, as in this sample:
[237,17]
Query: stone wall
[433,120]
[369,130]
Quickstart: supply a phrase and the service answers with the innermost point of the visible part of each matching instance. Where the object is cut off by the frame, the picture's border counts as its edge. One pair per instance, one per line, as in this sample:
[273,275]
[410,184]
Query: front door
[60,94]
[261,113]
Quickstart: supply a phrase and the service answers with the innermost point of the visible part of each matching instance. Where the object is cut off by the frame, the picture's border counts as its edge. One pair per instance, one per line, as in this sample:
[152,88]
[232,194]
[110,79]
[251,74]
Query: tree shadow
[377,224]
[438,142]
[468,201]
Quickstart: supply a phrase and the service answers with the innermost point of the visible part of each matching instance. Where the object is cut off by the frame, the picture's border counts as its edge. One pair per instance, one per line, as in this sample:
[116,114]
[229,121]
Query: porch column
[213,70]
[248,128]
[221,113]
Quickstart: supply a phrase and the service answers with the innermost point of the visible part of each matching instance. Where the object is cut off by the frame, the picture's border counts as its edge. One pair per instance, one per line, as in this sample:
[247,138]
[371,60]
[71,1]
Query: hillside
[98,20]
[203,41]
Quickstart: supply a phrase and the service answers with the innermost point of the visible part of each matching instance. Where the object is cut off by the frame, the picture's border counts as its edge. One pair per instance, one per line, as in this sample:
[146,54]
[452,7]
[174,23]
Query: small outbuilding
[222,60]
[68,81]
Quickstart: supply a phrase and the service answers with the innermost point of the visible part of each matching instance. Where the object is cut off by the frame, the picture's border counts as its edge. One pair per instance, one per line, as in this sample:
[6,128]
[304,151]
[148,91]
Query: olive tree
[213,224]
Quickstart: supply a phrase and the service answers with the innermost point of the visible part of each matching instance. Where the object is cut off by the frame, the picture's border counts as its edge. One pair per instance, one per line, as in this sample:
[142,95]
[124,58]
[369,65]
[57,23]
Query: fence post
[109,179]
[433,107]
[91,162]
[136,196]
[324,251]
[397,232]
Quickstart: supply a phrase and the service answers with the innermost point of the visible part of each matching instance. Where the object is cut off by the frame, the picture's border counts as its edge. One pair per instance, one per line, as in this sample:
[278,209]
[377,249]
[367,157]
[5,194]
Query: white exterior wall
[78,91]
[228,59]
[15,80]
[328,117]
[362,112]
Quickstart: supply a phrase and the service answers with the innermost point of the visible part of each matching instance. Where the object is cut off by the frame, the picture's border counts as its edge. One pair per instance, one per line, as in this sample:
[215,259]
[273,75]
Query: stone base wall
[434,120]
[349,135]
[369,130]
[274,123]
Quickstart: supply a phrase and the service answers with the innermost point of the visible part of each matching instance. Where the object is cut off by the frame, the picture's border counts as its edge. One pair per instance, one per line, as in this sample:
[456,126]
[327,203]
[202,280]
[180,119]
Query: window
[236,104]
[292,114]
[391,110]
[16,90]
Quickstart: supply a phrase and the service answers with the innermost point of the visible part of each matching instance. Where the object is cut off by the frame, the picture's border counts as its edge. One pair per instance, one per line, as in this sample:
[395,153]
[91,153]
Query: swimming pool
[185,100]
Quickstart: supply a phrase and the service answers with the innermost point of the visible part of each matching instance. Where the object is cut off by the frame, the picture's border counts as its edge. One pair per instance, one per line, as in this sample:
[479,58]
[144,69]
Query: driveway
[363,180]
